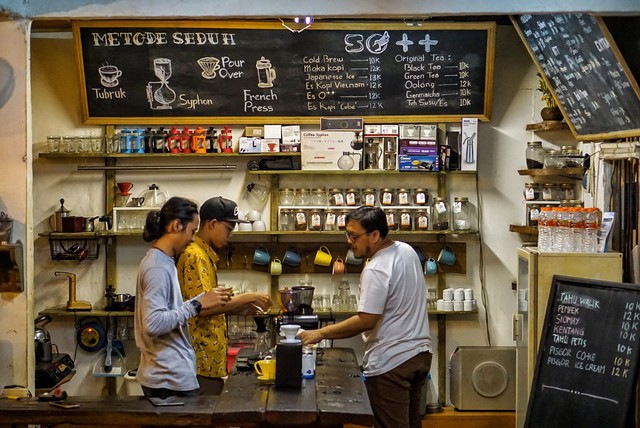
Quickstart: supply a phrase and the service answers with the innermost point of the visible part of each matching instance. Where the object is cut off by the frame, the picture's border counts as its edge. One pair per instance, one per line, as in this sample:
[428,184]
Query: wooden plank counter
[336,396]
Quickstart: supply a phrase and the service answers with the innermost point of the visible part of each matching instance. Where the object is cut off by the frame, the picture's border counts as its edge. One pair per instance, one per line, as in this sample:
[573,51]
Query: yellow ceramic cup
[266,369]
[323,257]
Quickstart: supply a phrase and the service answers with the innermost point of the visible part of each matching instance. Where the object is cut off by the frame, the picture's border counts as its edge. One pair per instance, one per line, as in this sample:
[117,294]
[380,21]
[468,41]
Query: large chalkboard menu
[587,364]
[594,88]
[256,72]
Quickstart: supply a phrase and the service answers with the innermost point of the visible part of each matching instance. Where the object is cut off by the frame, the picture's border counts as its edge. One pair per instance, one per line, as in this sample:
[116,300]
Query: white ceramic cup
[253,215]
[447,294]
[468,305]
[458,305]
[259,226]
[458,294]
[468,294]
[448,305]
[245,227]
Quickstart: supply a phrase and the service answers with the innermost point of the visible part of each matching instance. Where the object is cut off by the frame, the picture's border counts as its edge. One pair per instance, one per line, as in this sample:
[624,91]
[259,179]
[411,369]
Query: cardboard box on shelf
[270,145]
[469,146]
[254,131]
[328,150]
[250,145]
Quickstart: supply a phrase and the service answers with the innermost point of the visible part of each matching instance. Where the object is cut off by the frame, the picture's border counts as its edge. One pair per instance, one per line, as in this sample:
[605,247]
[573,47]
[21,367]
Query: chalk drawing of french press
[266,73]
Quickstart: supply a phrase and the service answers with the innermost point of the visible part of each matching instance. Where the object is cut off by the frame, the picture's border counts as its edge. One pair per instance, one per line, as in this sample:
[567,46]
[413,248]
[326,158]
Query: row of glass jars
[354,197]
[566,157]
[434,217]
[549,191]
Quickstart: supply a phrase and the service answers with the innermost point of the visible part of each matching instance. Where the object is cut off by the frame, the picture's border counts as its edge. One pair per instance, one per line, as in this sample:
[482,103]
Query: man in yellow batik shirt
[197,271]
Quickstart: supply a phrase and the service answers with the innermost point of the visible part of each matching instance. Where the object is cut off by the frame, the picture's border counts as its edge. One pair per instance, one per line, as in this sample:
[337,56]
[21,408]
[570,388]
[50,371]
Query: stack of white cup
[457,300]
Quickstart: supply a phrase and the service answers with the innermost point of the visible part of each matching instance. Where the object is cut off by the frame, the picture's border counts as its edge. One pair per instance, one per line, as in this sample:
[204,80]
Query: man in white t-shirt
[392,317]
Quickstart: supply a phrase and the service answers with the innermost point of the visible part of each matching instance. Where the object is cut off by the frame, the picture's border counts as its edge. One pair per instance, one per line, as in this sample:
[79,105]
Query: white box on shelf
[291,134]
[328,151]
[129,219]
[273,131]
[469,149]
[250,145]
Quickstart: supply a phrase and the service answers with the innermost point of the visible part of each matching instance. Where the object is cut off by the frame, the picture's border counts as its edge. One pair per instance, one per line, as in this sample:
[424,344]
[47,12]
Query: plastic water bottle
[562,243]
[591,226]
[576,226]
[544,229]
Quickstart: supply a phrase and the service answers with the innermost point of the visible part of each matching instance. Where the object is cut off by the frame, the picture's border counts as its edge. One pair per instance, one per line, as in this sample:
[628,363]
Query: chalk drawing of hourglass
[164,94]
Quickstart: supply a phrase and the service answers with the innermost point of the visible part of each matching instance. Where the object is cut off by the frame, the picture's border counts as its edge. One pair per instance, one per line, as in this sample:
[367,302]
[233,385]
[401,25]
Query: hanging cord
[481,271]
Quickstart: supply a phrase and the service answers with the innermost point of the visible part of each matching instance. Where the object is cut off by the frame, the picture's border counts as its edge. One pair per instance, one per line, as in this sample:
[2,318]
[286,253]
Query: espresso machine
[295,304]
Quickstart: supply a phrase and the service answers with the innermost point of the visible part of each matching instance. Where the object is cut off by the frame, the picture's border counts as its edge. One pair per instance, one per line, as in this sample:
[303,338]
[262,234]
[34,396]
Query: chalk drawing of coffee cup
[109,75]
[209,66]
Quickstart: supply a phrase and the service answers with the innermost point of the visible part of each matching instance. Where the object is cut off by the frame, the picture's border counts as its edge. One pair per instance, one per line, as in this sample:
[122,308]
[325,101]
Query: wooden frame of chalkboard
[587,363]
[255,72]
[588,76]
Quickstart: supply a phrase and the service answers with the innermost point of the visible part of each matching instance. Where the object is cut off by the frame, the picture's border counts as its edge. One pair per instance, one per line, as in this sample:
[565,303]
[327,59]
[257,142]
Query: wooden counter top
[336,396]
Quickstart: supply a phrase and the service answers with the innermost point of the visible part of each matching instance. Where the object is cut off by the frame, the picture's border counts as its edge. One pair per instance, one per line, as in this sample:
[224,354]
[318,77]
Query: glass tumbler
[53,143]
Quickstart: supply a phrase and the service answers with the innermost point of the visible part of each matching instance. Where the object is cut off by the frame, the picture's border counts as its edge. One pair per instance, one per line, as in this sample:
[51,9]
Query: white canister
[468,294]
[440,305]
[458,294]
[458,305]
[448,305]
[447,294]
[468,305]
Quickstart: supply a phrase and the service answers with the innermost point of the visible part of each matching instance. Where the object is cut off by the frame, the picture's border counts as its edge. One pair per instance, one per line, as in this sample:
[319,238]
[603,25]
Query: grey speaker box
[483,378]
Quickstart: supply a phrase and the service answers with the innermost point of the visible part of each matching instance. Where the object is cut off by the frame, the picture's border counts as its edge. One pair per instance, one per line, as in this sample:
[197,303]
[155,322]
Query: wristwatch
[196,305]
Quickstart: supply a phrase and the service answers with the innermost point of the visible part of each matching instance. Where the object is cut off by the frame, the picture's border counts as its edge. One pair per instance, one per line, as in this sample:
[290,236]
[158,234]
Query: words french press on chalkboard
[587,364]
[248,72]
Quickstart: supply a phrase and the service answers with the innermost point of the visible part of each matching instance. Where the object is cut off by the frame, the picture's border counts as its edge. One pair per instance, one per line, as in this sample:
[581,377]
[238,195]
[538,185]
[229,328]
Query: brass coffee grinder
[72,303]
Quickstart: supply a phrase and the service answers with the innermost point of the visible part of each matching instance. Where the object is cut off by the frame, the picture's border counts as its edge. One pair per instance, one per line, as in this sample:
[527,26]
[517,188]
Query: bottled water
[576,232]
[545,229]
[591,226]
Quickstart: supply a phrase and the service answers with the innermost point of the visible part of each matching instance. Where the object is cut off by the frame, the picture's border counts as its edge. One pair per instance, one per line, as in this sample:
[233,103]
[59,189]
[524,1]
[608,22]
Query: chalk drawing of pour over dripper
[209,66]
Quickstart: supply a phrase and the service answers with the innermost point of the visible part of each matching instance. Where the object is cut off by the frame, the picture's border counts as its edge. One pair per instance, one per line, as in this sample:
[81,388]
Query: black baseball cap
[219,208]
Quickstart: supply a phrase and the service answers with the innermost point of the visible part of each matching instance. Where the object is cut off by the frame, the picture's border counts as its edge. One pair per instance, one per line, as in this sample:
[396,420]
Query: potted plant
[551,112]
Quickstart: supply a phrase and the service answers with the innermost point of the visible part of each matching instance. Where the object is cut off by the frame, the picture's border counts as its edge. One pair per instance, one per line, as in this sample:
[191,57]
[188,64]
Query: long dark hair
[175,208]
[370,218]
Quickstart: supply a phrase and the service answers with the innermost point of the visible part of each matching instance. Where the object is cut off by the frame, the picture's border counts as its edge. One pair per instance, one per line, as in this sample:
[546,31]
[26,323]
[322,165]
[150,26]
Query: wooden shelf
[358,172]
[61,311]
[525,230]
[77,156]
[574,173]
[549,125]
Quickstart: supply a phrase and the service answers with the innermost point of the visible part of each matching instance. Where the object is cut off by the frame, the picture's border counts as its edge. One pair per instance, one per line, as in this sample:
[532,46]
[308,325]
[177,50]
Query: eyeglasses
[228,226]
[351,237]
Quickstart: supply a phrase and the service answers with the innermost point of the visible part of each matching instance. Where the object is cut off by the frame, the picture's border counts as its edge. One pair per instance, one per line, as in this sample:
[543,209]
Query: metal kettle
[42,340]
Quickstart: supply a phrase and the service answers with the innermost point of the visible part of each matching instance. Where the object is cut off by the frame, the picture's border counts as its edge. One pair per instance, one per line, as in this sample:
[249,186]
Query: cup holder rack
[74,249]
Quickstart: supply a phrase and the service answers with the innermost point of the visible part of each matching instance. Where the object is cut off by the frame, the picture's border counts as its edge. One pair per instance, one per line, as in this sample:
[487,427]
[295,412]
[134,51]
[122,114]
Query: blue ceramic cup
[447,256]
[291,258]
[261,256]
[430,266]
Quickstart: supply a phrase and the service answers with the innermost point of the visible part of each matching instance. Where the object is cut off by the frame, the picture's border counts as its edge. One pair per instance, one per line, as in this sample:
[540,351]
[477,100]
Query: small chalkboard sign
[593,86]
[587,364]
[259,72]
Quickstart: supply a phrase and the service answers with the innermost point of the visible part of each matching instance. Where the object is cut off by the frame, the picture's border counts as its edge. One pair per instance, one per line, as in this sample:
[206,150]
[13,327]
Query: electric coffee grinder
[296,307]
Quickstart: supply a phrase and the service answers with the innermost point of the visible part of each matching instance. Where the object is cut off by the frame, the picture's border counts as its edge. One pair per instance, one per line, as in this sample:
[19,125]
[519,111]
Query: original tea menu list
[587,366]
[156,70]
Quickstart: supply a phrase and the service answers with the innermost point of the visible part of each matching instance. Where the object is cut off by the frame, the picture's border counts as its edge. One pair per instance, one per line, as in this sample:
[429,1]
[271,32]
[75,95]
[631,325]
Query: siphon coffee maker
[262,346]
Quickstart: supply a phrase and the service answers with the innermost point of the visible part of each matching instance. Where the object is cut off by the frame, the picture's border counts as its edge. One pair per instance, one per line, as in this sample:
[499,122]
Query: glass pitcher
[372,154]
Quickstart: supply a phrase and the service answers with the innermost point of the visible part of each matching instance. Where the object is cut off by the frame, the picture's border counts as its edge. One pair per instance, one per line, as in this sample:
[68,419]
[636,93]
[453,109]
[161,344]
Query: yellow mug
[266,369]
[323,257]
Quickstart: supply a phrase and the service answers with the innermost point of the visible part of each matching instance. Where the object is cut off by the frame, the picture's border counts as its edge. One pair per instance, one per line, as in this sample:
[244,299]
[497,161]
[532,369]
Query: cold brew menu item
[250,72]
[599,96]
[587,366]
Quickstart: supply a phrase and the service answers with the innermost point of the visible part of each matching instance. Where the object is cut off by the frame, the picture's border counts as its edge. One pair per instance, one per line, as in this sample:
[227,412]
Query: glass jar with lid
[336,197]
[315,220]
[287,196]
[534,155]
[440,214]
[570,157]
[352,197]
[552,159]
[286,221]
[404,197]
[532,191]
[300,219]
[567,191]
[319,197]
[534,215]
[406,220]
[329,220]
[369,197]
[422,220]
[392,218]
[550,192]
[303,197]
[387,196]
[420,196]
[341,219]
[461,213]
